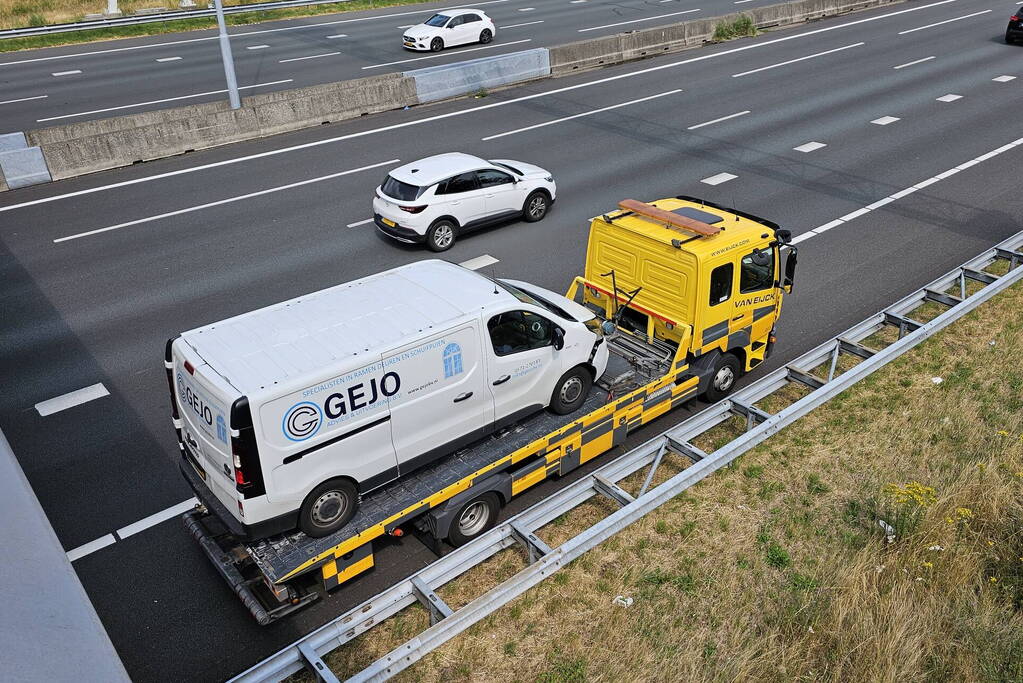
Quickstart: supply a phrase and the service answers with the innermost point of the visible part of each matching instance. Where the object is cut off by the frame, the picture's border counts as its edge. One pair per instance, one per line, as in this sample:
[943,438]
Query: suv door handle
[502,380]
[462,397]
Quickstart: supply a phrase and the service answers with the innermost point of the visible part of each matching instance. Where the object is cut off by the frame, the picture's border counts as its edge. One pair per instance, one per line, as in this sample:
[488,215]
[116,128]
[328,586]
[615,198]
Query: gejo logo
[198,405]
[303,420]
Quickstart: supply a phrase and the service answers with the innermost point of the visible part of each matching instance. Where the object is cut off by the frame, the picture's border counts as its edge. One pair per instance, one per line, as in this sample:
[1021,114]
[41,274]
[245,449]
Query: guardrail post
[112,10]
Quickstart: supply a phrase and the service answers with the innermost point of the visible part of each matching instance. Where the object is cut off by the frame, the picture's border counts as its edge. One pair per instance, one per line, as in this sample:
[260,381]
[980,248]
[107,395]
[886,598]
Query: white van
[287,414]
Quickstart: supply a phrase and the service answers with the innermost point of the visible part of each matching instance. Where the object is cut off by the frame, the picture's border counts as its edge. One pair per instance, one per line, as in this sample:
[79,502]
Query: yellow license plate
[388,221]
[410,44]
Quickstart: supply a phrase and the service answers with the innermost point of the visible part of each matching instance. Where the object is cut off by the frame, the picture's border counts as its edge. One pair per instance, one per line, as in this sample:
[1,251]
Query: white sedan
[450,28]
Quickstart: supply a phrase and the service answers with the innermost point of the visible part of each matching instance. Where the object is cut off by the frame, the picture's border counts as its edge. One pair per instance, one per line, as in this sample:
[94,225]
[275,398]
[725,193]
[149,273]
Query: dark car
[1015,30]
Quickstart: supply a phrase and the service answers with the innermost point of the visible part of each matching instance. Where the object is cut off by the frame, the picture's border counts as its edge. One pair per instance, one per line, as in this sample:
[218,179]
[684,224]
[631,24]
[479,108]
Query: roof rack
[669,218]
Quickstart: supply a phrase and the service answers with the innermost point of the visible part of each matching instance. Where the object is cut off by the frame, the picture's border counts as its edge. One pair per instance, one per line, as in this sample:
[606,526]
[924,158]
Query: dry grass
[776,568]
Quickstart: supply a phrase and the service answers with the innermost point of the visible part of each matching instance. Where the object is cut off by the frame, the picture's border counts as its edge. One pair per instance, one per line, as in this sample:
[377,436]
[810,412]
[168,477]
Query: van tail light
[412,209]
[248,473]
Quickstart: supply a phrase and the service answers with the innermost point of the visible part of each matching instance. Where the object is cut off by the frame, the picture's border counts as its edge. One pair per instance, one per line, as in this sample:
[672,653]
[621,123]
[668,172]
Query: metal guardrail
[136,19]
[544,561]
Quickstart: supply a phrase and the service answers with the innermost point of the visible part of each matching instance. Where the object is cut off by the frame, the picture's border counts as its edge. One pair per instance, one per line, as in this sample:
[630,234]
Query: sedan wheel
[486,36]
[436,45]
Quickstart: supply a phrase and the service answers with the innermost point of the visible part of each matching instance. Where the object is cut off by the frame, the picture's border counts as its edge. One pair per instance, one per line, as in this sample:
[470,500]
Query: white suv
[450,28]
[435,199]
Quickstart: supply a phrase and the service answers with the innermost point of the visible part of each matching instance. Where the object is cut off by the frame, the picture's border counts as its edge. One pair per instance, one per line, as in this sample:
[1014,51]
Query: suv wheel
[441,235]
[536,207]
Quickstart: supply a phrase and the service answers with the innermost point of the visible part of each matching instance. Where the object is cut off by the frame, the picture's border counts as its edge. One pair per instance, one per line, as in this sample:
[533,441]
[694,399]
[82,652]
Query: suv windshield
[535,299]
[437,20]
[399,190]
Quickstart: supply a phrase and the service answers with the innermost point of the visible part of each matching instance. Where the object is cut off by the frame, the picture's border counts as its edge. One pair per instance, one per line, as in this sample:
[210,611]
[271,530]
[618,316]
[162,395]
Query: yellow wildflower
[964,513]
[993,579]
[990,543]
[928,564]
[1002,432]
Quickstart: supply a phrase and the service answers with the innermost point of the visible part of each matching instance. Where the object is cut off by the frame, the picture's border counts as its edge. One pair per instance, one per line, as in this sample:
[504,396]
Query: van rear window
[399,190]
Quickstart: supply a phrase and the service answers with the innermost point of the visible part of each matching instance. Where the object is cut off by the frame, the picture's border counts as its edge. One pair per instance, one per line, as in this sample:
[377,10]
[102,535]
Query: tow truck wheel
[722,380]
[474,518]
[328,507]
[571,390]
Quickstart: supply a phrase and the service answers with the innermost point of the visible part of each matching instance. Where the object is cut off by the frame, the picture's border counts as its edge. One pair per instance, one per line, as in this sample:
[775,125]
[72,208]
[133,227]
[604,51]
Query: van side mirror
[790,270]
[558,338]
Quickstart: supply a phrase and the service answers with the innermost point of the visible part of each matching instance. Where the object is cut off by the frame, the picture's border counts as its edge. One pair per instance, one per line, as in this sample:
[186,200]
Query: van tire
[328,507]
[536,207]
[571,391]
[441,235]
[722,378]
[474,518]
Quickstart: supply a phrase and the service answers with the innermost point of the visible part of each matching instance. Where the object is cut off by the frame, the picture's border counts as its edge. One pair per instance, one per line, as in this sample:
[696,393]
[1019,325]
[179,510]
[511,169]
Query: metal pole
[225,53]
[112,10]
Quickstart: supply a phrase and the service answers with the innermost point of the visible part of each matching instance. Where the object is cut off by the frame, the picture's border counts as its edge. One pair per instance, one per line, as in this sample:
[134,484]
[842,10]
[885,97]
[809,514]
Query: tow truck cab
[701,277]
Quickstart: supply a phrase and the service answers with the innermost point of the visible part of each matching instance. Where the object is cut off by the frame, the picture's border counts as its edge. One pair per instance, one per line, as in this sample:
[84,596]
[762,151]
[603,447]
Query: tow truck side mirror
[790,270]
[558,338]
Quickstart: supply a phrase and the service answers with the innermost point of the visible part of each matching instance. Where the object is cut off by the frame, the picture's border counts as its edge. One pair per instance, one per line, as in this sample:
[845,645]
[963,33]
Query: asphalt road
[76,83]
[178,248]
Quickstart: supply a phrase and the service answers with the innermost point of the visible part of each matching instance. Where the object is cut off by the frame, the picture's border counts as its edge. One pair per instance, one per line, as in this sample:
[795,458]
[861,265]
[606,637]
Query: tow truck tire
[328,507]
[474,518]
[722,379]
[571,391]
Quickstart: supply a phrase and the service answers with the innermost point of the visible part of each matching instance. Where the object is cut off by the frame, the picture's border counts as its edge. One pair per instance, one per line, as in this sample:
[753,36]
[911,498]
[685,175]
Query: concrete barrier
[89,146]
[79,148]
[451,80]
[20,165]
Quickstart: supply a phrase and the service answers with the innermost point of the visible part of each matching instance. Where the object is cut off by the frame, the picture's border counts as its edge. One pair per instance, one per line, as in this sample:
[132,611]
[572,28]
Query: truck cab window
[721,284]
[517,331]
[753,277]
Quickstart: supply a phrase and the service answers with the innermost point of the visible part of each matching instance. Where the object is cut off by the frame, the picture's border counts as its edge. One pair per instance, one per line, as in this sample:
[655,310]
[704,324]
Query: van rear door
[204,403]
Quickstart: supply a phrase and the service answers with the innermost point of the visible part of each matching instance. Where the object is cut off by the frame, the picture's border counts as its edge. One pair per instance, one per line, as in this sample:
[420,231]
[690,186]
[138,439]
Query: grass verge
[21,13]
[743,27]
[776,568]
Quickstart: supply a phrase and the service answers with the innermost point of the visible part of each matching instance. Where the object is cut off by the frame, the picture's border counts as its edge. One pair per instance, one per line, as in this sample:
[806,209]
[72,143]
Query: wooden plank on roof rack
[668,218]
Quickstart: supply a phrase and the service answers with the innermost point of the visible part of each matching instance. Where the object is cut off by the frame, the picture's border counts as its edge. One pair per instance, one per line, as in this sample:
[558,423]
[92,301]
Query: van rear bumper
[244,532]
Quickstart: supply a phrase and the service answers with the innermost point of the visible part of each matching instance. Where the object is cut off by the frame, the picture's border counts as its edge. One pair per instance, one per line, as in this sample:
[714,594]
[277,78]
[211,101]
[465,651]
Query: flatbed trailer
[662,353]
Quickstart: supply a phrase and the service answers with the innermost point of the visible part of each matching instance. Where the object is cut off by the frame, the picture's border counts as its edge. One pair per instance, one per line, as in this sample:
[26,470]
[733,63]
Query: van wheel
[536,207]
[474,518]
[328,507]
[486,36]
[436,45]
[441,235]
[722,380]
[571,391]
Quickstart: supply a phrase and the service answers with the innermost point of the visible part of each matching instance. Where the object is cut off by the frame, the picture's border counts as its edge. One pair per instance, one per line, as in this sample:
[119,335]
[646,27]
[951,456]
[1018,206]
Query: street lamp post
[225,53]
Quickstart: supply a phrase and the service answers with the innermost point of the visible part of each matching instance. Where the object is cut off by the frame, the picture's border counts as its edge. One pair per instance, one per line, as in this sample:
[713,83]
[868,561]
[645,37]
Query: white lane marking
[474,49]
[798,59]
[72,399]
[90,547]
[221,202]
[576,2]
[338,35]
[25,99]
[739,2]
[885,120]
[528,23]
[635,21]
[577,116]
[461,112]
[153,520]
[951,97]
[355,225]
[1003,79]
[479,262]
[167,59]
[299,59]
[526,9]
[719,178]
[723,118]
[914,63]
[169,99]
[947,21]
[67,73]
[809,147]
[244,33]
[906,192]
[257,47]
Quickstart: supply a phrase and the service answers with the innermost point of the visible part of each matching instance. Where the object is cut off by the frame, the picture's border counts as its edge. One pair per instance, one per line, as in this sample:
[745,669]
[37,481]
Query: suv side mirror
[558,338]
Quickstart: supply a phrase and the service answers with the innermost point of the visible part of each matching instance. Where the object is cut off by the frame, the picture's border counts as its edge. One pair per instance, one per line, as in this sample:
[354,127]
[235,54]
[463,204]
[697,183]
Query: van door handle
[462,397]
[502,380]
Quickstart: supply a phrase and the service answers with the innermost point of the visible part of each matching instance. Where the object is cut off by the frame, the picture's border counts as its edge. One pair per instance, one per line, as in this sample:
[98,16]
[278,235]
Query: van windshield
[535,299]
[399,190]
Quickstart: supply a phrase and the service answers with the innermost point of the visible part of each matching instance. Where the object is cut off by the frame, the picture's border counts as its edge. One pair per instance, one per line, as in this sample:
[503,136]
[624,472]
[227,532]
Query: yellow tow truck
[687,294]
